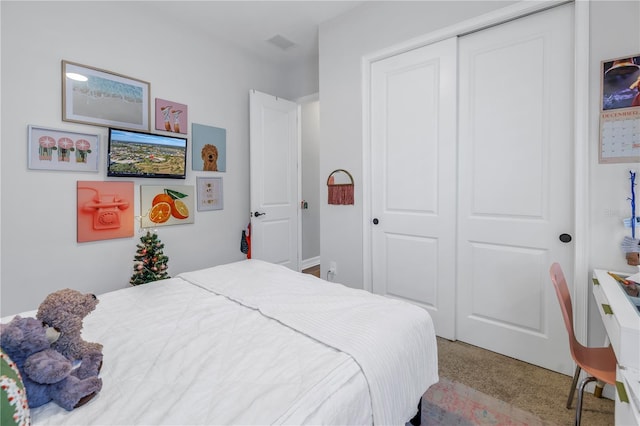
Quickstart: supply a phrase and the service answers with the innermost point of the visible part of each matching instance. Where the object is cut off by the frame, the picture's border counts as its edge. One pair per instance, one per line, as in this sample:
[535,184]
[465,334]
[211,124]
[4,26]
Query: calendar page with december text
[620,111]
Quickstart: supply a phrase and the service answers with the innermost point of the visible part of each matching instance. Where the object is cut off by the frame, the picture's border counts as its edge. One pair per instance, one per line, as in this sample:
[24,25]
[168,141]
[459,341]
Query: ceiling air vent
[281,42]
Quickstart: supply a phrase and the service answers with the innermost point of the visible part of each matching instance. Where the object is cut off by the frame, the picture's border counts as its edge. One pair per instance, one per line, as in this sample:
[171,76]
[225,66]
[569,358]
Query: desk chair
[598,363]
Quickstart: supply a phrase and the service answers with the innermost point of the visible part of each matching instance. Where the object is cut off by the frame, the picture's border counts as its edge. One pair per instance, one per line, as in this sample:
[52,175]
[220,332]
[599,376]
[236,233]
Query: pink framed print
[105,210]
[171,116]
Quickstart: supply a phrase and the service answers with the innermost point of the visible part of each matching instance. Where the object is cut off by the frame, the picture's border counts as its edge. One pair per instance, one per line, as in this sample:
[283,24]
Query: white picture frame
[210,193]
[103,98]
[62,150]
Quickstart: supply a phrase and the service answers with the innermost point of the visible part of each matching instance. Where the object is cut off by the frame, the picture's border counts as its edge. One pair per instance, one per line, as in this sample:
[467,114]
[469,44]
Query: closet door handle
[375,221]
[565,238]
[258,214]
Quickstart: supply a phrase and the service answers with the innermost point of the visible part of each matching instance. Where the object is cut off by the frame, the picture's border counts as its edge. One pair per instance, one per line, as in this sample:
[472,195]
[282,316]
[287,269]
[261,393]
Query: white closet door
[413,148]
[515,162]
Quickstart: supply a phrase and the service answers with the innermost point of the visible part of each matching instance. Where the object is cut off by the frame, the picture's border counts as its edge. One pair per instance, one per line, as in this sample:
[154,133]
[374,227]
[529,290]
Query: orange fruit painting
[160,212]
[166,205]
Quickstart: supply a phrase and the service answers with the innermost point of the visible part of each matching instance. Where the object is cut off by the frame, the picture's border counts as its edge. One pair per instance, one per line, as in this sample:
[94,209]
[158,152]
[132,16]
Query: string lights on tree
[150,263]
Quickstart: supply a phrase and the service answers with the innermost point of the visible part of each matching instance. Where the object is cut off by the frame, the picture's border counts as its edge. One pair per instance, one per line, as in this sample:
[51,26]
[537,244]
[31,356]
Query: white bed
[254,343]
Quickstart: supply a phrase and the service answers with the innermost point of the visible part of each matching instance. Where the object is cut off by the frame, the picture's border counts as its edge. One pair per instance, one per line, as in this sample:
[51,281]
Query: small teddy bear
[46,373]
[64,310]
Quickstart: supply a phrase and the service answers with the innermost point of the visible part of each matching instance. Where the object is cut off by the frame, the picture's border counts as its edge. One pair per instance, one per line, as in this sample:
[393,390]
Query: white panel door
[413,148]
[274,179]
[515,160]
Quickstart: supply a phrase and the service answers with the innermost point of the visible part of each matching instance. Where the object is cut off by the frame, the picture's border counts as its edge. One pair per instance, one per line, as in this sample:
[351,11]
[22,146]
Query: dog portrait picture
[209,148]
[209,158]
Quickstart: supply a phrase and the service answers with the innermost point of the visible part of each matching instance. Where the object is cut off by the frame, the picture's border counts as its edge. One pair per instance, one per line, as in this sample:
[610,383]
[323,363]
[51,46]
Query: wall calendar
[620,111]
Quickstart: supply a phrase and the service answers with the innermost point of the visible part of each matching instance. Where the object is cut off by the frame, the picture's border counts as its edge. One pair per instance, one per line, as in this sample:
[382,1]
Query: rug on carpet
[450,403]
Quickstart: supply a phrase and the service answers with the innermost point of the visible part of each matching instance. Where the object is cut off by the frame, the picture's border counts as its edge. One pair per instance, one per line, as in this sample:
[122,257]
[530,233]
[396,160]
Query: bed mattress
[253,343]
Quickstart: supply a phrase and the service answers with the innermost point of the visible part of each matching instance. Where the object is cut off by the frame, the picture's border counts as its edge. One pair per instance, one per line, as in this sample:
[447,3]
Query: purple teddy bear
[65,311]
[47,375]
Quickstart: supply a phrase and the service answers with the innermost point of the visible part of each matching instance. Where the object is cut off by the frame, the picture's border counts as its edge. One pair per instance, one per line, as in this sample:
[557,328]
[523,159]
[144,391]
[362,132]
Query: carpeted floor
[535,390]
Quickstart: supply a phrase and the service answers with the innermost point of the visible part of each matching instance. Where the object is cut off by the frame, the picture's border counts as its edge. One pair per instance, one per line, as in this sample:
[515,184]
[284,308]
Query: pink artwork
[83,149]
[105,210]
[46,147]
[171,116]
[65,146]
[51,149]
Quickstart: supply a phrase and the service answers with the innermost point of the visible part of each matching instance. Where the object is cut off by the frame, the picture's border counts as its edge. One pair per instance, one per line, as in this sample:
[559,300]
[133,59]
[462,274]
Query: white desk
[621,319]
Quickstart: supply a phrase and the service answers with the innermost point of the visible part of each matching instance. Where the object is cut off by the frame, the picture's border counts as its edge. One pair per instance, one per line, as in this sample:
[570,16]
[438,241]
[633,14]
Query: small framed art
[620,110]
[52,149]
[103,98]
[105,210]
[209,148]
[210,195]
[171,116]
[166,205]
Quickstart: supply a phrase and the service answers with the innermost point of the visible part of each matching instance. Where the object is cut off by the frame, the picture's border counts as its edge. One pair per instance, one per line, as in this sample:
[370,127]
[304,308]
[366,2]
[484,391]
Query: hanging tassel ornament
[340,193]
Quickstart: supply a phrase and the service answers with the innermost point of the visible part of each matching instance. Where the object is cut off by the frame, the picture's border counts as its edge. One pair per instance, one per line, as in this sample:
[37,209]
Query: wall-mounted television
[138,154]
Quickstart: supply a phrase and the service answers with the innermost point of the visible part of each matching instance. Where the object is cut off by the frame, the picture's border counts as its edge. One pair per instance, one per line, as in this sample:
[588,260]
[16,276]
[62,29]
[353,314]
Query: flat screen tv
[137,154]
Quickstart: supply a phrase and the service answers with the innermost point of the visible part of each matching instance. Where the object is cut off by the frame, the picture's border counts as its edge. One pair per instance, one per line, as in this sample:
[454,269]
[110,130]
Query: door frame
[581,214]
[301,101]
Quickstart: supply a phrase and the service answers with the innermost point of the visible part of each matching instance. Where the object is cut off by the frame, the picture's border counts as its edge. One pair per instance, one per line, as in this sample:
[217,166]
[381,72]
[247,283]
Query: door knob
[258,214]
[565,238]
[375,221]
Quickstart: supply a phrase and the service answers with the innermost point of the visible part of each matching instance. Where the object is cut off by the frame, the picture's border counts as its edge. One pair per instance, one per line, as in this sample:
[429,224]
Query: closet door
[515,162]
[413,146]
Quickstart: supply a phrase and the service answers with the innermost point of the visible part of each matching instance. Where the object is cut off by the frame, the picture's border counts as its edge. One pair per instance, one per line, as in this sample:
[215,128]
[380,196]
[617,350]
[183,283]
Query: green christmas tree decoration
[150,263]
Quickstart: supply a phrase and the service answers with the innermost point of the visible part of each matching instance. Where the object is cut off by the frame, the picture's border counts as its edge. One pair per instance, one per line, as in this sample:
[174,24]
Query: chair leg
[597,392]
[573,386]
[580,394]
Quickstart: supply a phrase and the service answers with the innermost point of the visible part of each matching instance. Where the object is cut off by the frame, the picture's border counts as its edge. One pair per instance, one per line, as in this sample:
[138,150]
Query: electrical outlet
[333,268]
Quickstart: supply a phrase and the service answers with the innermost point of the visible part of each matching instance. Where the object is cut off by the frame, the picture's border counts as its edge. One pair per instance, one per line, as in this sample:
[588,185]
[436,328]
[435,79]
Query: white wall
[301,79]
[609,183]
[39,249]
[345,40]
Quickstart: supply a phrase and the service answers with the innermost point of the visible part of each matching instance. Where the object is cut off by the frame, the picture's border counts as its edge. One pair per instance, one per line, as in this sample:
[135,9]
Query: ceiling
[249,24]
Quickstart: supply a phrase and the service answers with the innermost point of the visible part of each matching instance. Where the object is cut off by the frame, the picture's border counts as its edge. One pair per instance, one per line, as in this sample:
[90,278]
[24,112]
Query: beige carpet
[536,390]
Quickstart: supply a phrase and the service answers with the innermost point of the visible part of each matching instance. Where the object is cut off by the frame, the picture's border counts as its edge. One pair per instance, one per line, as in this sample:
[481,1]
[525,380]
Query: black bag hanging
[244,245]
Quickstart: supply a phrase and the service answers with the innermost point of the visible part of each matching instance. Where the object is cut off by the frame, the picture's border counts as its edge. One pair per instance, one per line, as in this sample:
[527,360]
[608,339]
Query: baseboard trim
[308,263]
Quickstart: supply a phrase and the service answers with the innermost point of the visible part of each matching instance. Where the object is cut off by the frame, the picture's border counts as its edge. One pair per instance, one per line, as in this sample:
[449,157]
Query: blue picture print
[209,148]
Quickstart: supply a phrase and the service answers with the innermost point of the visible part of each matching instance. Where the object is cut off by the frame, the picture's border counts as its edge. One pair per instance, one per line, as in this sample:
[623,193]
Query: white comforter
[209,347]
[393,342]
